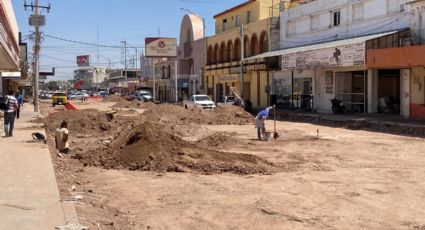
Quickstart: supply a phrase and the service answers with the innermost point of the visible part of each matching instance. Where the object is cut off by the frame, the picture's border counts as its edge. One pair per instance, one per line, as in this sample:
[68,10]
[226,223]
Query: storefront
[312,76]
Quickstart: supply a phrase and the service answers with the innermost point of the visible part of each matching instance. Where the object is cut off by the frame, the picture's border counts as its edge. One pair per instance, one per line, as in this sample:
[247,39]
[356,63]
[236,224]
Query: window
[291,28]
[315,22]
[248,17]
[224,24]
[238,20]
[394,6]
[336,18]
[358,11]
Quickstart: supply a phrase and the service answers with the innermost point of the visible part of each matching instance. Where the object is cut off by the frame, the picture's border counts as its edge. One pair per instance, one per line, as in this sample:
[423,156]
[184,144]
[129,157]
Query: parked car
[81,96]
[140,96]
[199,101]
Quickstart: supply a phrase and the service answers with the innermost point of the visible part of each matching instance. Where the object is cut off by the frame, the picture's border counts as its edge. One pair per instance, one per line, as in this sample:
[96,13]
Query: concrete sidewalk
[29,196]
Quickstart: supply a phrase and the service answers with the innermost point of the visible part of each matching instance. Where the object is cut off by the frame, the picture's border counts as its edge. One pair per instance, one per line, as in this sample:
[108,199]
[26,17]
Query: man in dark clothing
[9,114]
[20,101]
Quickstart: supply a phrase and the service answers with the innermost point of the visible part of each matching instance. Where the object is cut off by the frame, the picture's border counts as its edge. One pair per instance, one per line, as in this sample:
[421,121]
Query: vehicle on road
[81,96]
[59,99]
[140,96]
[199,101]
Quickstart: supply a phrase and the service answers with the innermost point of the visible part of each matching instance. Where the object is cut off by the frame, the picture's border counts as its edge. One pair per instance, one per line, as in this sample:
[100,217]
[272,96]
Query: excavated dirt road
[322,178]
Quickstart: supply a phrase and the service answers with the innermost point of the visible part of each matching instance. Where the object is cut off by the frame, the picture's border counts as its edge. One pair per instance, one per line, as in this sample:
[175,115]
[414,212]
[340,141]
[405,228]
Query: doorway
[389,91]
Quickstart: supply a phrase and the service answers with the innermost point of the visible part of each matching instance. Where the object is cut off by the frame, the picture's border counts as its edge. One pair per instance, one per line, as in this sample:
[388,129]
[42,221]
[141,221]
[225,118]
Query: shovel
[275,134]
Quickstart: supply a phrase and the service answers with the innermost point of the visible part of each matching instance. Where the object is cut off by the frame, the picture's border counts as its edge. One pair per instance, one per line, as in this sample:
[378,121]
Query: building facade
[90,77]
[323,55]
[9,48]
[241,32]
[191,56]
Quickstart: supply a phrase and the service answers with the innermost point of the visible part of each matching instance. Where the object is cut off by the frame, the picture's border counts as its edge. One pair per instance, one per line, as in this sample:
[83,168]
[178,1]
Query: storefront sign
[161,47]
[227,78]
[341,56]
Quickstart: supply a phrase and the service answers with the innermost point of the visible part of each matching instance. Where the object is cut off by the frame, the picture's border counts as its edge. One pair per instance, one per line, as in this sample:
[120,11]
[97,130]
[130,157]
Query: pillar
[405,93]
[372,91]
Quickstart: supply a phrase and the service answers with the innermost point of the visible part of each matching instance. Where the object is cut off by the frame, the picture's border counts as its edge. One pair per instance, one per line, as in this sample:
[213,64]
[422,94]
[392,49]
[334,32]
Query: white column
[372,91]
[405,93]
[315,95]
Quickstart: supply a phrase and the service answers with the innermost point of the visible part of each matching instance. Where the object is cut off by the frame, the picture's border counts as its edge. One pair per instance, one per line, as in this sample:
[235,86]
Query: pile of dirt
[80,122]
[168,113]
[122,103]
[216,140]
[148,147]
[112,98]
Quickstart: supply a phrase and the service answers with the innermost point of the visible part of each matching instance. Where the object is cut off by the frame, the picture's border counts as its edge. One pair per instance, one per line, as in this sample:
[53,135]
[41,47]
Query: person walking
[20,101]
[9,114]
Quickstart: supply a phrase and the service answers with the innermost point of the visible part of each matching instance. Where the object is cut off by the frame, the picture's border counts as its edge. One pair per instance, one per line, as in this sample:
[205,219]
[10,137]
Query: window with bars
[291,28]
[358,11]
[336,18]
[314,22]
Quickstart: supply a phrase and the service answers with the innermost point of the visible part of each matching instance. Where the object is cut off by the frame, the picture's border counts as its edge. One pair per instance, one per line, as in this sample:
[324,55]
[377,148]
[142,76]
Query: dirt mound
[147,147]
[215,140]
[168,113]
[122,103]
[79,122]
[112,98]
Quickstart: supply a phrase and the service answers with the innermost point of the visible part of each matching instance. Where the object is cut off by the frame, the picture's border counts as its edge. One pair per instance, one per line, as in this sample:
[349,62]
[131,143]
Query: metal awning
[325,45]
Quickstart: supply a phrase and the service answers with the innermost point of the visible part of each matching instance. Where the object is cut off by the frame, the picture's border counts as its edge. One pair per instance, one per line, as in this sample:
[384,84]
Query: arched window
[210,55]
[237,50]
[216,53]
[264,42]
[229,51]
[222,52]
[246,47]
[254,45]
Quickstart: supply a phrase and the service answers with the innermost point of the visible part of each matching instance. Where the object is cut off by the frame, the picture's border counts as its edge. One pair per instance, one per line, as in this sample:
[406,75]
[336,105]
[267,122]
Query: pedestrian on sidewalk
[9,114]
[20,101]
[61,138]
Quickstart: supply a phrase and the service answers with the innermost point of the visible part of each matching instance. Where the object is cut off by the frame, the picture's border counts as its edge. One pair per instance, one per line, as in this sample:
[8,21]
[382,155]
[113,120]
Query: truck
[199,101]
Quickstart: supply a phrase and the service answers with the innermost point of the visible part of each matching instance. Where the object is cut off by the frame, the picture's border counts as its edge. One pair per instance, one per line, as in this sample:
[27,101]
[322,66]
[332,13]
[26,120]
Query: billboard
[341,56]
[160,47]
[83,60]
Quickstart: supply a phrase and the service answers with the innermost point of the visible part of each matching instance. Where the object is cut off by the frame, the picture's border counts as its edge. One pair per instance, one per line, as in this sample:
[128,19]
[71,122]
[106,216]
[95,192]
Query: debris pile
[148,147]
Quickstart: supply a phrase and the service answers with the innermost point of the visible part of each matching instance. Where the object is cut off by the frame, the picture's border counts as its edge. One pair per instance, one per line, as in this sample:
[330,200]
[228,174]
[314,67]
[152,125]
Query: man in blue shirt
[260,122]
[20,101]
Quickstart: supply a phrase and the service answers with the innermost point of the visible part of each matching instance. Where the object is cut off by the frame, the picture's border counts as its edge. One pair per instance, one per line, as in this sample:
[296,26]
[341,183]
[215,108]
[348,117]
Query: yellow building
[253,21]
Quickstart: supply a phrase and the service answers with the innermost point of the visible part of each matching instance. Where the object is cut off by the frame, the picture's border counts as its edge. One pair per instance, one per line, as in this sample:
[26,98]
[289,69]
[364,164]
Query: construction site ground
[219,176]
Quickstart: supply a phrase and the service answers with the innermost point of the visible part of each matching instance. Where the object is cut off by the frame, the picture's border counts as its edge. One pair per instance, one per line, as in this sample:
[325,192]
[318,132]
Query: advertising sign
[83,60]
[160,47]
[341,56]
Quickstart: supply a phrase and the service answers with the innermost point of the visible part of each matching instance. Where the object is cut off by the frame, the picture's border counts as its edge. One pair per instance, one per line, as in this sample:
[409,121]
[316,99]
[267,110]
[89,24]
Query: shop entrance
[351,89]
[389,91]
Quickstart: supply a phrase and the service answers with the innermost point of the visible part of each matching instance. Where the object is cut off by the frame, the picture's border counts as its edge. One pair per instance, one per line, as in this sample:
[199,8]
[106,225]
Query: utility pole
[97,39]
[37,21]
[125,59]
[242,59]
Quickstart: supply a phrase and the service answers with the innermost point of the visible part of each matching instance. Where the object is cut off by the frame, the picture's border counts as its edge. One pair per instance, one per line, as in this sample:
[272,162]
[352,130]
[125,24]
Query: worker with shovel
[261,125]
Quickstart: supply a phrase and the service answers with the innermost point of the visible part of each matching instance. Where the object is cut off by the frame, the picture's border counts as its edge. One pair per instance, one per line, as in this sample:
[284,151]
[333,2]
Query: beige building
[254,25]
[9,48]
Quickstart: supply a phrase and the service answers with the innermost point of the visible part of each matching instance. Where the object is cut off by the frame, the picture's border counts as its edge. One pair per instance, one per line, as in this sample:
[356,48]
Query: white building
[323,52]
[90,77]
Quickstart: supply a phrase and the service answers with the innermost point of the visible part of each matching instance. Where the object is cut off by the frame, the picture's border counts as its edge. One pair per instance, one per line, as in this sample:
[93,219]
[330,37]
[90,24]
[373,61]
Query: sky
[108,22]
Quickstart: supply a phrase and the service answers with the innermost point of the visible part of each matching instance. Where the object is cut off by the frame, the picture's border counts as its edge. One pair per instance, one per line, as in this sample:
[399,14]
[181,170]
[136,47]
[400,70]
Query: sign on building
[341,56]
[83,60]
[161,47]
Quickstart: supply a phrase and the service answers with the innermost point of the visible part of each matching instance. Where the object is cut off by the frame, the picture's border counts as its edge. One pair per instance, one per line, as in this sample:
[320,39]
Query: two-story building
[323,55]
[9,48]
[90,77]
[240,32]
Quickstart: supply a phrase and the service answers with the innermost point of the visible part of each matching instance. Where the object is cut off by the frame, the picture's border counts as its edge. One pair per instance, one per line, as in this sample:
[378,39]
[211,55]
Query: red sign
[83,60]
